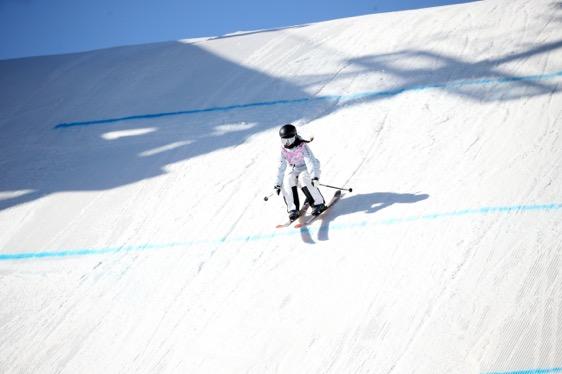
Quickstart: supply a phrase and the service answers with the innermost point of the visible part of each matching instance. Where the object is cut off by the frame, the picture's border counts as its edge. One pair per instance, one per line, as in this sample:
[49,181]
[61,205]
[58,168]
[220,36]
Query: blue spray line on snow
[87,251]
[278,234]
[530,371]
[349,97]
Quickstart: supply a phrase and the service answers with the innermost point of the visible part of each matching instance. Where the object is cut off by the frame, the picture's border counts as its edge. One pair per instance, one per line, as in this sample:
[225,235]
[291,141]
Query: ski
[290,222]
[308,220]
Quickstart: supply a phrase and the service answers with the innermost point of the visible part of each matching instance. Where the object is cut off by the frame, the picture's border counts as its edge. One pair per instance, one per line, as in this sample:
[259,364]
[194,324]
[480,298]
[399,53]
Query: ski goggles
[288,141]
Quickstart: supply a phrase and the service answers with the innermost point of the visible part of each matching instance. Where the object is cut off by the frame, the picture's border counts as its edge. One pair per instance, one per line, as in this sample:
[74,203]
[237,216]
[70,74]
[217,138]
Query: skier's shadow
[368,203]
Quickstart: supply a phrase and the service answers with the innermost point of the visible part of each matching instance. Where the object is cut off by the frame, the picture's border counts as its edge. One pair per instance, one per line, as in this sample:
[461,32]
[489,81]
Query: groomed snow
[134,236]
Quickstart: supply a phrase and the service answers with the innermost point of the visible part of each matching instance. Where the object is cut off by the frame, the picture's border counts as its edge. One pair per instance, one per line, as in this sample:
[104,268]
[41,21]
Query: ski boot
[293,214]
[319,209]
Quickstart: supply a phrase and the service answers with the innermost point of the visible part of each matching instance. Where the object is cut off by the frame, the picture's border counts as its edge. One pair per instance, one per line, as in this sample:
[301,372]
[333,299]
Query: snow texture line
[343,98]
[515,209]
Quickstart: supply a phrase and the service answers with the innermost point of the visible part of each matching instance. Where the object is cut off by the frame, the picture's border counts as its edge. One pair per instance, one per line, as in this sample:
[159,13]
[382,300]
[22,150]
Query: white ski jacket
[299,158]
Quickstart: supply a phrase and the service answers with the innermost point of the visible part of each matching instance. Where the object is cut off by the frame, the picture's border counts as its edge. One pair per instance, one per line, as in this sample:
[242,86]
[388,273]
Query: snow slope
[134,236]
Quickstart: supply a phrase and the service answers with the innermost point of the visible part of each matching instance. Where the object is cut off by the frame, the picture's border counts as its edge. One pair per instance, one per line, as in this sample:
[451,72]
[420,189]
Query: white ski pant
[299,177]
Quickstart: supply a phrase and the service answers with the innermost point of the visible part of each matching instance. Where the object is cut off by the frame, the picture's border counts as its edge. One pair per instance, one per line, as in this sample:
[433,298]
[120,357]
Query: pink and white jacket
[299,158]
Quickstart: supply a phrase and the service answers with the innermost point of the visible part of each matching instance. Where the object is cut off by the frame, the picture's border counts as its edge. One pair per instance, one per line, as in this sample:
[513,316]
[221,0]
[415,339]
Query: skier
[304,171]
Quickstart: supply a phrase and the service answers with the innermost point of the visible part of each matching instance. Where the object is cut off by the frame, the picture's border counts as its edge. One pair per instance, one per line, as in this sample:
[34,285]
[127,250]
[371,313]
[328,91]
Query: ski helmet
[287,131]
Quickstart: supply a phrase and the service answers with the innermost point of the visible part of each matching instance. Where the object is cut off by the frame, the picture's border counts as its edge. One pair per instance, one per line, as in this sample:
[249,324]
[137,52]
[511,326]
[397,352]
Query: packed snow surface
[134,237]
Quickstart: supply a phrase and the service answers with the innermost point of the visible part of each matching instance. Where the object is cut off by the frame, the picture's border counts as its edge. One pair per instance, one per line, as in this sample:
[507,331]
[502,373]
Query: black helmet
[287,131]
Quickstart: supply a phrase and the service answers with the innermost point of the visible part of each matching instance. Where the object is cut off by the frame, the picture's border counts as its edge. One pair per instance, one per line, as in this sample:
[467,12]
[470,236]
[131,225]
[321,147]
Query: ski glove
[315,182]
[277,189]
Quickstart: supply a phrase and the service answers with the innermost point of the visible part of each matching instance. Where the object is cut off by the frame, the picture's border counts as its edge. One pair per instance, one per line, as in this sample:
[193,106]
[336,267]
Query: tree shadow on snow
[366,203]
[104,119]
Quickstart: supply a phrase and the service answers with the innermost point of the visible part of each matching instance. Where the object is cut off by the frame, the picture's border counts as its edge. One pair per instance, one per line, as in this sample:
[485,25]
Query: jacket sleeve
[281,169]
[312,163]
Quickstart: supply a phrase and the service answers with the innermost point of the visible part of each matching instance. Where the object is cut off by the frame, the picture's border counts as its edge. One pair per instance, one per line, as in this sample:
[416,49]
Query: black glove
[277,189]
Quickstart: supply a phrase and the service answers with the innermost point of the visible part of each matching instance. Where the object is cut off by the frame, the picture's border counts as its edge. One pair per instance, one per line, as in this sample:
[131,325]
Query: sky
[44,27]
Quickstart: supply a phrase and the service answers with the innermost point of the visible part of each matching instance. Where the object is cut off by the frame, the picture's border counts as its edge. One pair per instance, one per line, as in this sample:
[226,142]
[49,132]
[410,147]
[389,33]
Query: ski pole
[268,196]
[337,188]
